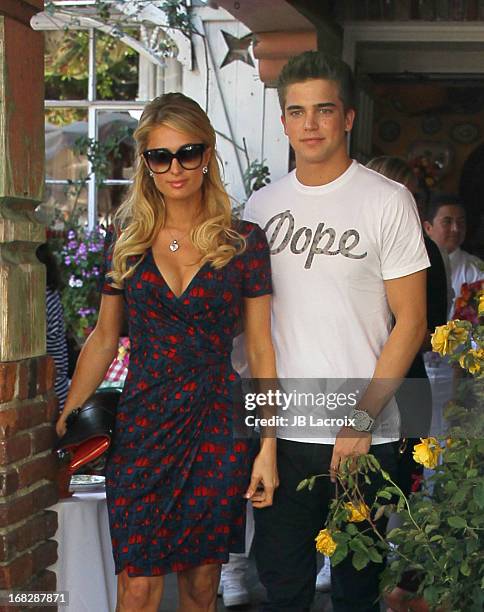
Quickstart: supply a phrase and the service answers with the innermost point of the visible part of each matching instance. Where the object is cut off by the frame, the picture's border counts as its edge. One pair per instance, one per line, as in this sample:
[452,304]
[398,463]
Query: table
[85,565]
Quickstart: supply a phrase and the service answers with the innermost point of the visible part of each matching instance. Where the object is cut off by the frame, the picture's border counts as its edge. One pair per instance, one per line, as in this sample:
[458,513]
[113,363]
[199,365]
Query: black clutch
[90,428]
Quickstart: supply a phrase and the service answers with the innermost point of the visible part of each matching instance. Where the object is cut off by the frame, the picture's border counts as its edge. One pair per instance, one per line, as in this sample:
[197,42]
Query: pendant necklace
[175,244]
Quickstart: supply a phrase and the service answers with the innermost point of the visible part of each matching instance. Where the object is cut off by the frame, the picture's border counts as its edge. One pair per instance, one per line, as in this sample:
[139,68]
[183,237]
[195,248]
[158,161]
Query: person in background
[445,223]
[414,397]
[56,341]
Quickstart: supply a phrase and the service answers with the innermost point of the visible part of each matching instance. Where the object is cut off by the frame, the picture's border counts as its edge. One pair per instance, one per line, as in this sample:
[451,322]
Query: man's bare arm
[407,300]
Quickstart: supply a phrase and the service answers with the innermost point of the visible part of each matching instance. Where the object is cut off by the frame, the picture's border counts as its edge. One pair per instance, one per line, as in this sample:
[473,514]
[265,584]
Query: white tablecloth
[85,564]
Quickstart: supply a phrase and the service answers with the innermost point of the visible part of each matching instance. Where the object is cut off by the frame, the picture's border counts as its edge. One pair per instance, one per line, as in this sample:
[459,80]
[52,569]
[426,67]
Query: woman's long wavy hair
[141,216]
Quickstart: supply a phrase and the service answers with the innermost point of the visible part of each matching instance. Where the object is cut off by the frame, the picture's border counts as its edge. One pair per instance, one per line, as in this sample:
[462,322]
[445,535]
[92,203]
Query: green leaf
[311,483]
[457,521]
[339,554]
[351,529]
[465,570]
[436,538]
[478,494]
[360,560]
[384,493]
[375,555]
[302,485]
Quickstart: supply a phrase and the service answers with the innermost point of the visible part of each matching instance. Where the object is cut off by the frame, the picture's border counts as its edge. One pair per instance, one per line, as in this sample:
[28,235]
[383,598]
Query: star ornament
[238,49]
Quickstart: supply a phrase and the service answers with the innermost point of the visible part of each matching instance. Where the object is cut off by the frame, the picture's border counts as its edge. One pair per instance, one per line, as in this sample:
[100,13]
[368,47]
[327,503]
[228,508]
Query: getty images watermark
[293,401]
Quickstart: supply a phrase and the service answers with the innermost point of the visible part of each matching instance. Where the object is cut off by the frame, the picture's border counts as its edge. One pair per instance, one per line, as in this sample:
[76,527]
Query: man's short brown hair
[317,65]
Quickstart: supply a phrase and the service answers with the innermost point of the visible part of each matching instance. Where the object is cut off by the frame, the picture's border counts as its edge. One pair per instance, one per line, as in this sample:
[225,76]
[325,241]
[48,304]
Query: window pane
[116,69]
[66,64]
[65,155]
[115,131]
[63,204]
[108,200]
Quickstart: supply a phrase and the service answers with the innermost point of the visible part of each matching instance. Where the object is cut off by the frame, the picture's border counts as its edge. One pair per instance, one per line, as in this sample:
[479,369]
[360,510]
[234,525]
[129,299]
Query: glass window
[90,150]
[63,204]
[66,64]
[64,130]
[109,197]
[116,69]
[115,134]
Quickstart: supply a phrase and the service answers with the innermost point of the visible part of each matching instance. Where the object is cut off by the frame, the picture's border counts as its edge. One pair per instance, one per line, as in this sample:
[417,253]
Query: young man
[445,223]
[347,260]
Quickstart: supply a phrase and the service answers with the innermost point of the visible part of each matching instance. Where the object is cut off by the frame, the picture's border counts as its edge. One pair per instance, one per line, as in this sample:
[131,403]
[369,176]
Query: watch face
[362,420]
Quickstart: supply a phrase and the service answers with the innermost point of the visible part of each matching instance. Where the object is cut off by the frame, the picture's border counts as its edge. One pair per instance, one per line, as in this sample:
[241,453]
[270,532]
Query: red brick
[43,438]
[21,416]
[10,421]
[38,469]
[43,555]
[8,483]
[45,374]
[43,581]
[23,379]
[45,496]
[35,414]
[50,372]
[40,527]
[17,572]
[41,376]
[8,376]
[51,409]
[15,510]
[15,448]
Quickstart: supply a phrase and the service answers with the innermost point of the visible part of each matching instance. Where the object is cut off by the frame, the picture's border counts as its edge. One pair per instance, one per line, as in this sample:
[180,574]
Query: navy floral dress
[176,473]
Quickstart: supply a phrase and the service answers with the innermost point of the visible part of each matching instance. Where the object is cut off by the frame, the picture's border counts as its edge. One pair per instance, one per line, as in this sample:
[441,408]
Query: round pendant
[174,246]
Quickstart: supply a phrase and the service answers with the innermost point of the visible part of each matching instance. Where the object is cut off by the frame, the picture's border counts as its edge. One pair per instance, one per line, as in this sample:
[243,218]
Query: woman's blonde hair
[141,216]
[394,168]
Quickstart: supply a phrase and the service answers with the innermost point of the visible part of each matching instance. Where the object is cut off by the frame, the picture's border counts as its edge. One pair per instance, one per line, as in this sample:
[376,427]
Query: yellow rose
[480,308]
[357,513]
[427,453]
[472,360]
[325,543]
[447,338]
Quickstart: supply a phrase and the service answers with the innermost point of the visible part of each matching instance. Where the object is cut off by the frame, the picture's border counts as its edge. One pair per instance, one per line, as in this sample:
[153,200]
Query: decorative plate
[389,130]
[85,482]
[465,133]
[431,124]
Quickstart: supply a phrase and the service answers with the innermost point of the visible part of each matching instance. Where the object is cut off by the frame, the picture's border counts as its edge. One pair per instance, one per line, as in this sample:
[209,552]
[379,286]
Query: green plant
[440,535]
[256,176]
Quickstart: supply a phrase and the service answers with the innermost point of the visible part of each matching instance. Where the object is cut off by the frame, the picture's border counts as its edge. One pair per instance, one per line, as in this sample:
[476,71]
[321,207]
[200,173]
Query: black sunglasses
[189,156]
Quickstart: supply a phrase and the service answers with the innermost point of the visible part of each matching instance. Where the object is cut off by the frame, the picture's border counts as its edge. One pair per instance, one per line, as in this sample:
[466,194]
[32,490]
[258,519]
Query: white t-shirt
[332,248]
[464,268]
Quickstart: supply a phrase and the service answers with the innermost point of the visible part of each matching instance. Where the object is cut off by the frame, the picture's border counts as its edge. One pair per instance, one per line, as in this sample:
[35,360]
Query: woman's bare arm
[96,356]
[262,364]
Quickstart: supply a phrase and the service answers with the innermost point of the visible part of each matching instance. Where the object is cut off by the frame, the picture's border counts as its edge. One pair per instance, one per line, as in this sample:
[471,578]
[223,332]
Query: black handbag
[90,428]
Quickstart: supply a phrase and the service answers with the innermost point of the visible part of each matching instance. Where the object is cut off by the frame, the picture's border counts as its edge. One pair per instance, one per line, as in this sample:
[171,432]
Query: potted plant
[437,550]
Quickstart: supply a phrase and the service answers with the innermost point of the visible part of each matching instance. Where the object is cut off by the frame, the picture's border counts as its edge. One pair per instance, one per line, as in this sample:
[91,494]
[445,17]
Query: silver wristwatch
[362,420]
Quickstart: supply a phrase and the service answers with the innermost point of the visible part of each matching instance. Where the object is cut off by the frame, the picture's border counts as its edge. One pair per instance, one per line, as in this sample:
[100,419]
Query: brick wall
[28,473]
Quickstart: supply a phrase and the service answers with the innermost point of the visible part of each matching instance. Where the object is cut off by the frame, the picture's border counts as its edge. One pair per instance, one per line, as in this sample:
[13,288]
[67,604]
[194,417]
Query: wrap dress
[176,472]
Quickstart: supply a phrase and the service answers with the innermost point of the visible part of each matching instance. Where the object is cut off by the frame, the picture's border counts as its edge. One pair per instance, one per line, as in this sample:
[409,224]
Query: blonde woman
[184,273]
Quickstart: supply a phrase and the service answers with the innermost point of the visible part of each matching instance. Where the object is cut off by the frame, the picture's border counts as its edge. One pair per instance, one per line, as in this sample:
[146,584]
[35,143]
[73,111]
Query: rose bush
[439,541]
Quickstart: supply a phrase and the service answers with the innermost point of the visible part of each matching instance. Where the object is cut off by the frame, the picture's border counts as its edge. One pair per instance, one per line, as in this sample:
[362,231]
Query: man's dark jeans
[285,533]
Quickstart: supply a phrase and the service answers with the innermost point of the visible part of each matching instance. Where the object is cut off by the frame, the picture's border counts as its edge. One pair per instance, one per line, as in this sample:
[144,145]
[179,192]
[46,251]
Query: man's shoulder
[263,201]
[473,260]
[279,186]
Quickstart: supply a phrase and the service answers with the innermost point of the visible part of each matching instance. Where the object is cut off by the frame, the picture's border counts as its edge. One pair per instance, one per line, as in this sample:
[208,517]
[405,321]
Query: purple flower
[71,234]
[67,260]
